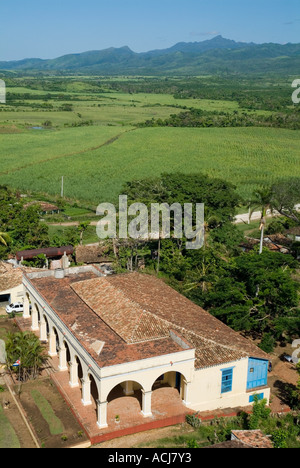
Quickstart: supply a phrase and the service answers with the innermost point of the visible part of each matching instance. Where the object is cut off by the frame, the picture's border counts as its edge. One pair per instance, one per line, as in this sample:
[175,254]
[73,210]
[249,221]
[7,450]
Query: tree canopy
[20,228]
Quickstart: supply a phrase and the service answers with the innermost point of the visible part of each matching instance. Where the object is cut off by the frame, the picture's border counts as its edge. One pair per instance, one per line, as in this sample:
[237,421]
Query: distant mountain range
[218,55]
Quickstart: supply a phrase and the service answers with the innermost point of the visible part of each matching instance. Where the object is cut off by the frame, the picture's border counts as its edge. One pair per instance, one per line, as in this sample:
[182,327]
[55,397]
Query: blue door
[257,373]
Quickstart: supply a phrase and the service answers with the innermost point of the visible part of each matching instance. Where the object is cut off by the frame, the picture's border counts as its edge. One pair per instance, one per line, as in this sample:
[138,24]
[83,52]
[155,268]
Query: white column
[63,358]
[74,374]
[52,344]
[43,331]
[128,389]
[186,391]
[26,311]
[35,320]
[86,391]
[102,414]
[146,405]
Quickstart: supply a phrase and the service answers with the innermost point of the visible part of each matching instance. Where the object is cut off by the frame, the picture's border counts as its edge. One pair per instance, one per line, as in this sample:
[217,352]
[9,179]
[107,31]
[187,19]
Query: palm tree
[262,200]
[27,348]
[83,226]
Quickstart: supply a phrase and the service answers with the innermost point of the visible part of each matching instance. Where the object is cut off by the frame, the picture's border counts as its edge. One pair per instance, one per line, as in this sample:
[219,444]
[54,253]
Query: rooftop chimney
[59,273]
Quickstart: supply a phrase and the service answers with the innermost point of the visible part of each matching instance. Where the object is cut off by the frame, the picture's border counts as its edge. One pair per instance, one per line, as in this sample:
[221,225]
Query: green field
[97,146]
[248,157]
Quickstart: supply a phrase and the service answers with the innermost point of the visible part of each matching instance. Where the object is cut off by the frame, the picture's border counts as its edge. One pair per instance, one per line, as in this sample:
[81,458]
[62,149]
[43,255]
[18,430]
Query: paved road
[244,218]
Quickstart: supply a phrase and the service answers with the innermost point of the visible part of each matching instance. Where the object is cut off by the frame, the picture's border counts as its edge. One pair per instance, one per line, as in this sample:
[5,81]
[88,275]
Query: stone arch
[128,387]
[94,389]
[175,370]
[76,369]
[80,368]
[173,379]
[125,398]
[68,351]
[27,305]
[44,328]
[35,317]
[54,341]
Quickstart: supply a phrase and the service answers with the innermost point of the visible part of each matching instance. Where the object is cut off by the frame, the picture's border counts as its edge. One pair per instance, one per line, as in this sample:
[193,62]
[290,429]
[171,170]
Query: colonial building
[135,331]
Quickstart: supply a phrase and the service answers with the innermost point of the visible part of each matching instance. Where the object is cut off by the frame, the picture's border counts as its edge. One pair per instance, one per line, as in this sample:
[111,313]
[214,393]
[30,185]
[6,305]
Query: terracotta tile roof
[90,329]
[294,231]
[128,317]
[141,307]
[45,206]
[209,353]
[254,439]
[166,303]
[10,277]
[91,254]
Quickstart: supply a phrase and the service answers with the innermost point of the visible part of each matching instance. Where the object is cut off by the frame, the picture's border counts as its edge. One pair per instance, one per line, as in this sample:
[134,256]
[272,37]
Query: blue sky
[31,28]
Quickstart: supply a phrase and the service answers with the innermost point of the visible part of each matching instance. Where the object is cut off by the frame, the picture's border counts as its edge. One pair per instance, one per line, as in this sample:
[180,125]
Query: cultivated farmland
[94,173]
[88,132]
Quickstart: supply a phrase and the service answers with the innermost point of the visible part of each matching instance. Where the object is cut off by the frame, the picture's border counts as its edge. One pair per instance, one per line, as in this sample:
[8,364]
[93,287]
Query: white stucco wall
[205,391]
[16,294]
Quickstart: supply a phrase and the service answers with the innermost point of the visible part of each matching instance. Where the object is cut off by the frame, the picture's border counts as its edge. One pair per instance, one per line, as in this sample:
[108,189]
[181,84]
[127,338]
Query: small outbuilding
[46,207]
[51,253]
[11,287]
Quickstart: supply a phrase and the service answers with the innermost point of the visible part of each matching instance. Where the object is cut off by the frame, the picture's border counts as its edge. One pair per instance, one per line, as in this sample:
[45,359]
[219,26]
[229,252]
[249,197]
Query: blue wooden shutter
[227,375]
[257,373]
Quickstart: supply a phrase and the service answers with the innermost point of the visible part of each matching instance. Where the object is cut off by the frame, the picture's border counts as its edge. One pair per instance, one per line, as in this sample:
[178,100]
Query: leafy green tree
[260,414]
[219,197]
[256,293]
[286,195]
[20,228]
[268,342]
[279,438]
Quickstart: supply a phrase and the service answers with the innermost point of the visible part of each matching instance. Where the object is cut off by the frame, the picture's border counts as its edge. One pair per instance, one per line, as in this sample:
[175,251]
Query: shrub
[193,420]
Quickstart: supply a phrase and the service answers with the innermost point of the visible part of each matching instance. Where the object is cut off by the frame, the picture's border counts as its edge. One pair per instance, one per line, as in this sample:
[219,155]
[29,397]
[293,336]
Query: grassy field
[97,146]
[96,161]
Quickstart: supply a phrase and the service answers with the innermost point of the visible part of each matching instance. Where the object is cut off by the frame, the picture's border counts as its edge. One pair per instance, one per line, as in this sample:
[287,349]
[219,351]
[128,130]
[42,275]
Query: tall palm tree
[262,200]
